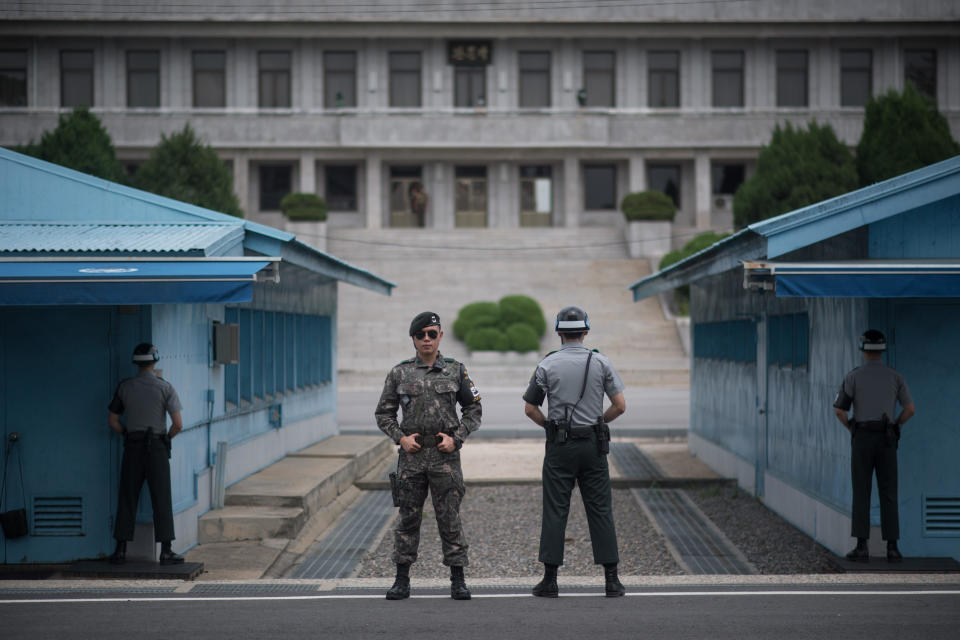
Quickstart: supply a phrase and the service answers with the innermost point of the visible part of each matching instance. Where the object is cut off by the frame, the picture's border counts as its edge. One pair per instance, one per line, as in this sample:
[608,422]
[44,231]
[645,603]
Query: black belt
[428,441]
[580,433]
[139,436]
[872,425]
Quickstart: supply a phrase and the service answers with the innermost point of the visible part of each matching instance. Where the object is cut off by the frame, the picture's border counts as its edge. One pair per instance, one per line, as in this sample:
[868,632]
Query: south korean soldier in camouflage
[427,388]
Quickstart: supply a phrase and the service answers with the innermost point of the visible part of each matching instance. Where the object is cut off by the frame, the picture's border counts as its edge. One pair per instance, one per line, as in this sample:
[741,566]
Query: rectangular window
[405,88]
[339,79]
[792,79]
[920,70]
[534,76]
[274,86]
[665,178]
[726,177]
[599,73]
[536,196]
[209,79]
[341,187]
[13,78]
[279,353]
[408,201]
[788,340]
[257,354]
[290,351]
[246,353]
[470,86]
[600,186]
[856,77]
[731,340]
[727,78]
[76,78]
[470,196]
[276,181]
[231,372]
[269,357]
[663,79]
[143,78]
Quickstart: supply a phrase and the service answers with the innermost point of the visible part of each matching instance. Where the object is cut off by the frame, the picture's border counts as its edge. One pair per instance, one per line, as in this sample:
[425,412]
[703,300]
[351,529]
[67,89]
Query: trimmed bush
[488,339]
[648,205]
[475,315]
[304,207]
[674,256]
[522,309]
[522,338]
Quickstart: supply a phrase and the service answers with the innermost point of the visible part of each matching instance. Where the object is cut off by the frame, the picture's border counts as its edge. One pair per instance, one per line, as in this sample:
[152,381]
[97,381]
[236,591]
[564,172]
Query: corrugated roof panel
[149,238]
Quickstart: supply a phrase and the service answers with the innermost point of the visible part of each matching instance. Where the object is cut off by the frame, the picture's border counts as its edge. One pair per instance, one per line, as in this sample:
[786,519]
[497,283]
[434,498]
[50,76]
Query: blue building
[776,310]
[244,316]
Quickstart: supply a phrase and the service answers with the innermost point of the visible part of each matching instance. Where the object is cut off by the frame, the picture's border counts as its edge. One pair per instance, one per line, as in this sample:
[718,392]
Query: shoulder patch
[449,360]
[596,350]
[407,361]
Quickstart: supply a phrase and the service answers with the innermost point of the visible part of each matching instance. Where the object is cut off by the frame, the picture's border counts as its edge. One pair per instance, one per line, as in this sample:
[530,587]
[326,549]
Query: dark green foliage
[694,245]
[523,309]
[648,205]
[304,207]
[901,132]
[79,142]
[488,339]
[183,168]
[522,338]
[476,314]
[798,168]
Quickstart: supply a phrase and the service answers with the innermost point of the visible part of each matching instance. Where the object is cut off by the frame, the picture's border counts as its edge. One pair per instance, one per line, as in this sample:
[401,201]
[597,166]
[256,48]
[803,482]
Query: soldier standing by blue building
[574,380]
[428,387]
[874,390]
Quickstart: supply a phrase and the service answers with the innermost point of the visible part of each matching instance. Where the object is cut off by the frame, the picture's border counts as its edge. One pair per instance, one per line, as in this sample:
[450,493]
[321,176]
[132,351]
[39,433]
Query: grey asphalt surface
[873,612]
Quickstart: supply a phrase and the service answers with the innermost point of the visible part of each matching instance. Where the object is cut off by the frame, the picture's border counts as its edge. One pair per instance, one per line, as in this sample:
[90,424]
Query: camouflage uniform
[429,396]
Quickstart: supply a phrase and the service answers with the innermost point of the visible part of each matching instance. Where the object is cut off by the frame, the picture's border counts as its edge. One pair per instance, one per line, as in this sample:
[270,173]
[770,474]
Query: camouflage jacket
[429,397]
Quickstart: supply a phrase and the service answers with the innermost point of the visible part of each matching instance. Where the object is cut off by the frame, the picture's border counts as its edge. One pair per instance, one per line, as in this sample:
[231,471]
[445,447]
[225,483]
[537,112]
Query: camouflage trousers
[440,474]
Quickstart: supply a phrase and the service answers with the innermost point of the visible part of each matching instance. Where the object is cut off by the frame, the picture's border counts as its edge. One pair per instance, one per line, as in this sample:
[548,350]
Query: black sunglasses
[420,335]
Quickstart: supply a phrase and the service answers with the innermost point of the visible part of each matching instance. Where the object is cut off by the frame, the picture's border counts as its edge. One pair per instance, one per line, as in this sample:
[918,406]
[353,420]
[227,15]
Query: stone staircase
[444,270]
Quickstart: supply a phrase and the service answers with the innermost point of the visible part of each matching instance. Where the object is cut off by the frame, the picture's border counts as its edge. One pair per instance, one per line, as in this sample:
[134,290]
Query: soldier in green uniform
[146,399]
[574,380]
[428,388]
[874,391]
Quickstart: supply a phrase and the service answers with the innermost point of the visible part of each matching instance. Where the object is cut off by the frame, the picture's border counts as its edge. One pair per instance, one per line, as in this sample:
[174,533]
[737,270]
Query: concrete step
[249,523]
[366,451]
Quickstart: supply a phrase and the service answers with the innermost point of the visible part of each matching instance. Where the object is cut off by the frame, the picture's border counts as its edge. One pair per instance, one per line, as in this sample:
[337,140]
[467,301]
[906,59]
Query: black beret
[425,319]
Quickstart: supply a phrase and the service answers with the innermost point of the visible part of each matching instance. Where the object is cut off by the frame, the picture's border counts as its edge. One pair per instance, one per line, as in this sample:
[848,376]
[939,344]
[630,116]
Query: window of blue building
[733,340]
[788,340]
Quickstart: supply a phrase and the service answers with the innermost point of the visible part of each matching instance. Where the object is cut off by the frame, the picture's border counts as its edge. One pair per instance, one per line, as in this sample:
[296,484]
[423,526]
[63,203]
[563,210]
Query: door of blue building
[926,350]
[55,367]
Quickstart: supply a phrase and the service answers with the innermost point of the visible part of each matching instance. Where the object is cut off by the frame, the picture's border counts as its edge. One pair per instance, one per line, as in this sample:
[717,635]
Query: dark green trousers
[145,461]
[577,461]
[870,451]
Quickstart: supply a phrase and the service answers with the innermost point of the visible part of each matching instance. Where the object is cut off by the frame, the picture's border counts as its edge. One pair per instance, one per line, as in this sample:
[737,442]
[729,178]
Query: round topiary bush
[523,309]
[476,315]
[304,207]
[487,339]
[522,338]
[648,205]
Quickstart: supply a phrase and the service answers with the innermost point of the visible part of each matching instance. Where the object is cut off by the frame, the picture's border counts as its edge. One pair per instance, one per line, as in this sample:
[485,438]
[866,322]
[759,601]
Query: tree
[901,132]
[183,168]
[799,167]
[79,142]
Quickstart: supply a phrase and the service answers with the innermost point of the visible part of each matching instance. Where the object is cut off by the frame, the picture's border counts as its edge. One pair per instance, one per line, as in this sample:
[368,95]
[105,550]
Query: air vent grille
[941,516]
[57,516]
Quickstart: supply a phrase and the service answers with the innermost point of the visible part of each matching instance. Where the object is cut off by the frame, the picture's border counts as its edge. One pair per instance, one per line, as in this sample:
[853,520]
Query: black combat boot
[120,553]
[860,553]
[613,587]
[401,586]
[547,588]
[458,585]
[167,556]
[893,554]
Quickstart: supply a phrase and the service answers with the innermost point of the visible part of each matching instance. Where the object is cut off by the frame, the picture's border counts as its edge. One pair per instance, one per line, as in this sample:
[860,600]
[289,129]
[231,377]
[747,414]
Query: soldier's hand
[409,443]
[447,444]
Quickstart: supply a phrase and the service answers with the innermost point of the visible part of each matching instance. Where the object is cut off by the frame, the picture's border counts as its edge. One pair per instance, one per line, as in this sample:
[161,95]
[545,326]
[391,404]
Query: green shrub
[702,241]
[475,315]
[487,339]
[304,207]
[681,295]
[522,309]
[648,205]
[674,256]
[522,338]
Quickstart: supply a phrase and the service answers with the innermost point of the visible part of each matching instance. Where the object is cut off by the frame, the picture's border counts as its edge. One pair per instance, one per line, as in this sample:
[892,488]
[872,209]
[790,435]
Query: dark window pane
[791,78]
[663,78]
[534,78]
[920,70]
[405,79]
[536,189]
[76,78]
[340,79]
[143,78]
[727,78]
[274,86]
[665,178]
[856,77]
[600,186]
[209,79]
[469,87]
[341,188]
[727,177]
[276,181]
[598,78]
[405,171]
[13,78]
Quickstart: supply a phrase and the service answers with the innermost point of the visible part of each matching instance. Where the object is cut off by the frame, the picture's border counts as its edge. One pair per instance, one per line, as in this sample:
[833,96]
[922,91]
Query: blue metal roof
[201,239]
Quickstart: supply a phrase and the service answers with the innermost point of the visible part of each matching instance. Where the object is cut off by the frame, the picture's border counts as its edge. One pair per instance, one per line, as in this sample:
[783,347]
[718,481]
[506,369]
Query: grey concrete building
[511,114]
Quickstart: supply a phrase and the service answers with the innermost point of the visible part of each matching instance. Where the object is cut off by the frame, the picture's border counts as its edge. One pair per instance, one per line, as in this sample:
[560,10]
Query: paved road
[870,612]
[653,411]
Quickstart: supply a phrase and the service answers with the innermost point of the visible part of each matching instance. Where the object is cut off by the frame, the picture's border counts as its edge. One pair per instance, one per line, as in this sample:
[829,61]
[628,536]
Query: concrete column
[695,76]
[572,191]
[308,172]
[241,180]
[636,173]
[441,199]
[303,74]
[703,191]
[503,211]
[374,191]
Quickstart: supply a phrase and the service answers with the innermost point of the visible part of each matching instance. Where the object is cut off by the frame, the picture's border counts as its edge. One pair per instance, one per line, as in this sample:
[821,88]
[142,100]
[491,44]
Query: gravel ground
[502,526]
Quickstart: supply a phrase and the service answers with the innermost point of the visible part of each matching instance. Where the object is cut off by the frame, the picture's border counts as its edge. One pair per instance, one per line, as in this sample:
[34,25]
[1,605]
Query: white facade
[573,162]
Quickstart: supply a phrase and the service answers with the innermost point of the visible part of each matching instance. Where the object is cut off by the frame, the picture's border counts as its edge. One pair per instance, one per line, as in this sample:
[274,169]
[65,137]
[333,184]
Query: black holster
[557,431]
[892,432]
[602,431]
[395,488]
